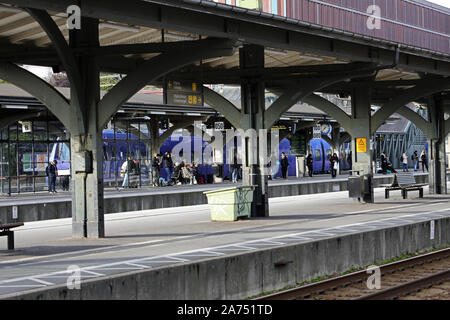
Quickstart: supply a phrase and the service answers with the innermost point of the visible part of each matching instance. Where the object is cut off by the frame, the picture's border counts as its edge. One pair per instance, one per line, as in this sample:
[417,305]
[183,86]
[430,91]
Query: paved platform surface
[163,237]
[45,197]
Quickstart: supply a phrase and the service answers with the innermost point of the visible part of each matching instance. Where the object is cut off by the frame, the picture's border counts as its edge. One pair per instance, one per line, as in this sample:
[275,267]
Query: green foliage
[109,81]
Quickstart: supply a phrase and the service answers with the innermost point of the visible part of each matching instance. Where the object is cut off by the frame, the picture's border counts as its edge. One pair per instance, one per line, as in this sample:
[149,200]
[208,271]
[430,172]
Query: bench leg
[405,194]
[421,193]
[386,194]
[10,240]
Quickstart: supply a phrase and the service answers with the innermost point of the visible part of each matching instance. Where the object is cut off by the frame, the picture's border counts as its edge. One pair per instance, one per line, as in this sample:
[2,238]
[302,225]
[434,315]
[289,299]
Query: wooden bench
[5,230]
[405,182]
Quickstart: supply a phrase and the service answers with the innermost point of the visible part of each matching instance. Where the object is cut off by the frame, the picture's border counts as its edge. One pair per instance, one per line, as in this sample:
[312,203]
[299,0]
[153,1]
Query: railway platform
[180,248]
[45,206]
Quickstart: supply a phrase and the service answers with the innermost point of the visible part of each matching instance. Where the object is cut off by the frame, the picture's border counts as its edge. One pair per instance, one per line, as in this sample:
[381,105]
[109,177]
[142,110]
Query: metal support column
[437,154]
[86,147]
[361,137]
[252,111]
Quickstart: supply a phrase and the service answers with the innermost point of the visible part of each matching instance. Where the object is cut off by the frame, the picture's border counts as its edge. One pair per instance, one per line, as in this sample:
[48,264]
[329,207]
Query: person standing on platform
[136,172]
[52,172]
[415,159]
[334,165]
[424,159]
[284,165]
[124,173]
[405,162]
[309,164]
[384,163]
[168,165]
[156,166]
[234,168]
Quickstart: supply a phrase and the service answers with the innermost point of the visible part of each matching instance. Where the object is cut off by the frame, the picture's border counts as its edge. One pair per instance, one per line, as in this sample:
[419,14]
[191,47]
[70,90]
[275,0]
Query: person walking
[135,172]
[405,162]
[284,165]
[124,173]
[168,165]
[334,165]
[424,159]
[415,159]
[384,163]
[52,172]
[156,166]
[309,164]
[234,168]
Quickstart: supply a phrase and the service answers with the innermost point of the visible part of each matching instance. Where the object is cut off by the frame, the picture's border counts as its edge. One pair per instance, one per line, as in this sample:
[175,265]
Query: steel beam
[299,91]
[223,106]
[418,121]
[329,108]
[69,63]
[9,119]
[406,96]
[260,30]
[50,97]
[155,68]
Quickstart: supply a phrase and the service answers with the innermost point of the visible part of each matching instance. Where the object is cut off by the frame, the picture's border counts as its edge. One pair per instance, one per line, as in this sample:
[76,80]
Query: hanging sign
[183,93]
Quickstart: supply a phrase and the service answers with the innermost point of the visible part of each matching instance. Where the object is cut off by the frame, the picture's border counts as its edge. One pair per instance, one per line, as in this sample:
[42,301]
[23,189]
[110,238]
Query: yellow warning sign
[361,144]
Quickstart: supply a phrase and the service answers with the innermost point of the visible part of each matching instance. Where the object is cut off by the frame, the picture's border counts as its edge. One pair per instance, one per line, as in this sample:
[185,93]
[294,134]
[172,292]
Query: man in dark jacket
[309,164]
[168,165]
[334,165]
[156,166]
[284,165]
[52,172]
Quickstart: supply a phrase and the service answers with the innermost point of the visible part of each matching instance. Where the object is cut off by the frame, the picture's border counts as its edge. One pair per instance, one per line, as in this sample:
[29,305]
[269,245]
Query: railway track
[423,277]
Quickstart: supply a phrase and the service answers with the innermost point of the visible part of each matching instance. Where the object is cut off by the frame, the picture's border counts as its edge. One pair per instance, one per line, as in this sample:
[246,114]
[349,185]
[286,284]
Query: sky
[445,3]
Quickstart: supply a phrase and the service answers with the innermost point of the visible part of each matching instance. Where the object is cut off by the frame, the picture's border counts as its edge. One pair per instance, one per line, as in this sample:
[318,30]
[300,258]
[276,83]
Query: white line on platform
[118,268]
[233,249]
[150,262]
[136,265]
[92,272]
[298,237]
[81,251]
[42,281]
[254,242]
[24,286]
[177,259]
[338,229]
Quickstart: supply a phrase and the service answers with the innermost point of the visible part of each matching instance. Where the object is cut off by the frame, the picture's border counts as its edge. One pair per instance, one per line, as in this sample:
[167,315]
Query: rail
[357,277]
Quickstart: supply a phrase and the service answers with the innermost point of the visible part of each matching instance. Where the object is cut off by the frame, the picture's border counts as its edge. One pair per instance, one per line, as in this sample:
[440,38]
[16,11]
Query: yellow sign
[250,4]
[361,145]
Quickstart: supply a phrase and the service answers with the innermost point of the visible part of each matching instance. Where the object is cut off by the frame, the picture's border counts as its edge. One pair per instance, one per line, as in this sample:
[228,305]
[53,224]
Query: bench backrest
[405,179]
[7,226]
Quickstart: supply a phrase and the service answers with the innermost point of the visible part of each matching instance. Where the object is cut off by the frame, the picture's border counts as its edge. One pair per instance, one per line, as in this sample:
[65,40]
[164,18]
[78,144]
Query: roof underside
[20,28]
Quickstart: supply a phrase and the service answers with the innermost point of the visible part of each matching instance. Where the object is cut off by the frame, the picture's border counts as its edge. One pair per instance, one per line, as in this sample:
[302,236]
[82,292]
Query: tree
[59,80]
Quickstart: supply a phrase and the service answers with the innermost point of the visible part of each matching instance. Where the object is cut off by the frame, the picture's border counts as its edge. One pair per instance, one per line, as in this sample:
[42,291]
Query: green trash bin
[229,204]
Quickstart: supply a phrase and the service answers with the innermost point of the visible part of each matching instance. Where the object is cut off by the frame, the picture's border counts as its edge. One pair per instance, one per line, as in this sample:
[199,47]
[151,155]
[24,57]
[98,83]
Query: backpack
[412,157]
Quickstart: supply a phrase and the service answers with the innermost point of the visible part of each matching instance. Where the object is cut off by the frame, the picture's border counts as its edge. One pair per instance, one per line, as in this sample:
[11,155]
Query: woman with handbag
[334,165]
